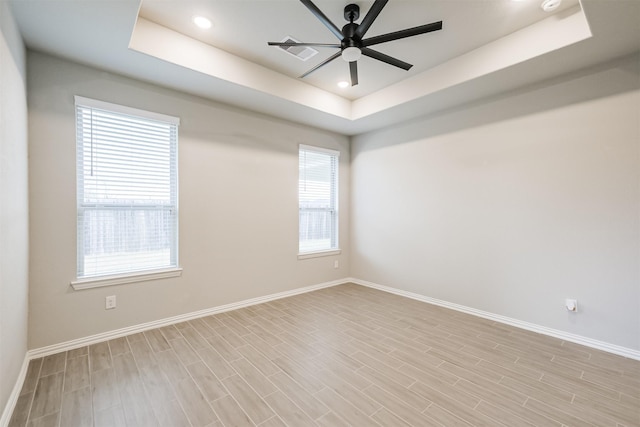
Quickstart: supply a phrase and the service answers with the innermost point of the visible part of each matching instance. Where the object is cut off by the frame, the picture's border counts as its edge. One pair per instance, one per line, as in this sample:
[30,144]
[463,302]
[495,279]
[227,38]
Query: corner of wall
[14,215]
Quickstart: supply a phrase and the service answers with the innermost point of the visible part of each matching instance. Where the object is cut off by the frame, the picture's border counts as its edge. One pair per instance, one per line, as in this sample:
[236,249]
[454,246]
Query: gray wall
[513,204]
[238,192]
[14,216]
[508,206]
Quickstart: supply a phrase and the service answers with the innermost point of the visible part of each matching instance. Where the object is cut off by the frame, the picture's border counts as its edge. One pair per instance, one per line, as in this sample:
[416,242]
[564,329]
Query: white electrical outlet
[571,305]
[336,264]
[110,302]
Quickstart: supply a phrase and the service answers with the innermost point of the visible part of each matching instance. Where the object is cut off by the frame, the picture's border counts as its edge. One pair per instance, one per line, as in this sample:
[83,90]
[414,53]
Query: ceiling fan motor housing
[351,13]
[350,38]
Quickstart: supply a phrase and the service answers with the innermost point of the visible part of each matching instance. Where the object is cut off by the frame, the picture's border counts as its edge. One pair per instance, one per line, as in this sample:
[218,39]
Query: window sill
[318,254]
[97,282]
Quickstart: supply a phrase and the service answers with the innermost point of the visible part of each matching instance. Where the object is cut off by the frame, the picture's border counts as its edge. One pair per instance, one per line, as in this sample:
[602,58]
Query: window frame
[335,250]
[137,275]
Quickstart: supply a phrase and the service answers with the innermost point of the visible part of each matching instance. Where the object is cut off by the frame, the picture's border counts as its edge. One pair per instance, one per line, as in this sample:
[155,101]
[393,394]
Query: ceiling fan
[352,44]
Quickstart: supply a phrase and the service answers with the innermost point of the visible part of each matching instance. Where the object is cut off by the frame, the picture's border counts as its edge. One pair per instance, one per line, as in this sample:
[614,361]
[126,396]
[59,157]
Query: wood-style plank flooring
[342,356]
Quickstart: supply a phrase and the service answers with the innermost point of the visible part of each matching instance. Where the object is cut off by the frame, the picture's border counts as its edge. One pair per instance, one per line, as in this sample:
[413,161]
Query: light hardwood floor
[346,355]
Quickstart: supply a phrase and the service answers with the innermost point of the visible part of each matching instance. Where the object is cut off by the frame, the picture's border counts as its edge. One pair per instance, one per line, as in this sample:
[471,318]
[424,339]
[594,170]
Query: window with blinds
[127,189]
[318,199]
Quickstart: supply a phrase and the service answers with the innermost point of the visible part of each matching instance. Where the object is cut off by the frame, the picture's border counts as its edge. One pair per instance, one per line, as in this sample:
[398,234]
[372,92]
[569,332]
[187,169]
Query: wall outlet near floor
[571,305]
[336,264]
[110,302]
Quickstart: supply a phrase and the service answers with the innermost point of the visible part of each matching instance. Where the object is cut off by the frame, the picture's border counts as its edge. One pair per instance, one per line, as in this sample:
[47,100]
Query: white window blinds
[318,199]
[127,189]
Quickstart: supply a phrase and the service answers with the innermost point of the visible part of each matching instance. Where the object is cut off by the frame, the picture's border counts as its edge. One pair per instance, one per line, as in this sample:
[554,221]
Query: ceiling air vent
[301,52]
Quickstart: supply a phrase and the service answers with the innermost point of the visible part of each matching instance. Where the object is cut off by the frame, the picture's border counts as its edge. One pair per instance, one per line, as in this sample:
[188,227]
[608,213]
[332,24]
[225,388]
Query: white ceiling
[244,31]
[485,47]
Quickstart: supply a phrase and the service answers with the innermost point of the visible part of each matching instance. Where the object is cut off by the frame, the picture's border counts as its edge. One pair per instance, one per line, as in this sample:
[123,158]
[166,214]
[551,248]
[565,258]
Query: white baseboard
[578,339]
[117,333]
[15,393]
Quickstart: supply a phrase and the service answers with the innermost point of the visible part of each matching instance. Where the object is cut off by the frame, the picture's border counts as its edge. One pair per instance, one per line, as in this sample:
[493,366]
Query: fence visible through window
[127,189]
[317,199]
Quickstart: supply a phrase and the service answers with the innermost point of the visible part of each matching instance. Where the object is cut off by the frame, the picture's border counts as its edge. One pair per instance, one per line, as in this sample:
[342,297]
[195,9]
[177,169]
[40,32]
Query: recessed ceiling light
[550,5]
[202,22]
[343,84]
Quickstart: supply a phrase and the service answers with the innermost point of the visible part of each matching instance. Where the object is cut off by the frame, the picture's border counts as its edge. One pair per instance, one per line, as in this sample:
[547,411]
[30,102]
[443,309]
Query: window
[127,190]
[318,199]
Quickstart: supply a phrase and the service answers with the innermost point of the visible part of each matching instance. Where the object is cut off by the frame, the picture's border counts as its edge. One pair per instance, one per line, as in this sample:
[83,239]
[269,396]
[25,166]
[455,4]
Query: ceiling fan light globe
[351,54]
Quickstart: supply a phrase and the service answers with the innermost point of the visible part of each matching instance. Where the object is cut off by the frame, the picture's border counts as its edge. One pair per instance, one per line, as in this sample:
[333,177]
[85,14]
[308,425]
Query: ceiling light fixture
[202,22]
[351,54]
[550,5]
[343,84]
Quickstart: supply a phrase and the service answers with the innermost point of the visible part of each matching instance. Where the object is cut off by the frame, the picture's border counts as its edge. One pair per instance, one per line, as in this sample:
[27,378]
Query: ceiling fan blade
[321,16]
[385,58]
[286,44]
[371,16]
[323,63]
[353,69]
[422,29]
